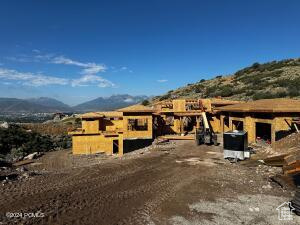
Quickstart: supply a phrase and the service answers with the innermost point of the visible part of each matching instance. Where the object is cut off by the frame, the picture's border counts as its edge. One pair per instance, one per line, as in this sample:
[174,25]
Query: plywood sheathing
[91,144]
[111,114]
[91,115]
[279,122]
[138,134]
[136,108]
[264,105]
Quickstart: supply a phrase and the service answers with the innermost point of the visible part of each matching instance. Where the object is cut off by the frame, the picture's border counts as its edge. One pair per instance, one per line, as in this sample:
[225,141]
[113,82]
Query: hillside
[269,80]
[110,103]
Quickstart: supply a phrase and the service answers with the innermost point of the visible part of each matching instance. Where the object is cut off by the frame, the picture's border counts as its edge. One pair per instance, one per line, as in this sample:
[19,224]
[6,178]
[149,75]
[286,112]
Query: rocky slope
[269,80]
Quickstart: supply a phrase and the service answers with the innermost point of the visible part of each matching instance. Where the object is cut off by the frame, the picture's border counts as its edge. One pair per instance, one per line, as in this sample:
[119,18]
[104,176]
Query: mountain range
[110,103]
[47,105]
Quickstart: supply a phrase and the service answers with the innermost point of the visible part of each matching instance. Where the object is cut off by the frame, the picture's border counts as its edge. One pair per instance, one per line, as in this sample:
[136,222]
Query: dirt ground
[179,183]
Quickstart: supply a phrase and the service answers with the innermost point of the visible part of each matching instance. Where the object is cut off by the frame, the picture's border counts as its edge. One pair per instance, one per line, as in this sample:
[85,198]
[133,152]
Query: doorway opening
[264,132]
[115,146]
[226,123]
[190,124]
[237,125]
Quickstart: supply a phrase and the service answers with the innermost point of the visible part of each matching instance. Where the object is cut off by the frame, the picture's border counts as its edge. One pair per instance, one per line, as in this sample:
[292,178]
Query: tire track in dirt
[131,182]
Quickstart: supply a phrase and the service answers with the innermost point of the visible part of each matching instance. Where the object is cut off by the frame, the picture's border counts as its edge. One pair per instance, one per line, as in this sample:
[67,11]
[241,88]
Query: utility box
[236,145]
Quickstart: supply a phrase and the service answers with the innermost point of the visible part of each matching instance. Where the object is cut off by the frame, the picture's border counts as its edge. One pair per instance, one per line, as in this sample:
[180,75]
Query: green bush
[262,95]
[294,92]
[269,95]
[199,88]
[271,66]
[145,102]
[210,91]
[255,65]
[249,93]
[224,91]
[165,97]
[78,121]
[18,141]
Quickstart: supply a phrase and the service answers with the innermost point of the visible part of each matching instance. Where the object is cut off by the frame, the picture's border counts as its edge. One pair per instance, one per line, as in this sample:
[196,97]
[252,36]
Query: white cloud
[66,61]
[121,69]
[7,83]
[37,57]
[36,51]
[89,68]
[31,79]
[42,57]
[22,59]
[129,100]
[37,79]
[94,68]
[162,81]
[89,79]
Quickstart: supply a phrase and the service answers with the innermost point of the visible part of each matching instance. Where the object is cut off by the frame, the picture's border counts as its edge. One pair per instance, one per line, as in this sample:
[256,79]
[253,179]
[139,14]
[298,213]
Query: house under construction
[267,119]
[109,131]
[183,116]
[133,127]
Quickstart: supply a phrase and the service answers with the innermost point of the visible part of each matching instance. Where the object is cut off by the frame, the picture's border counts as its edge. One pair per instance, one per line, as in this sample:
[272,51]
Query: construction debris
[296,202]
[23,162]
[4,125]
[33,155]
[278,160]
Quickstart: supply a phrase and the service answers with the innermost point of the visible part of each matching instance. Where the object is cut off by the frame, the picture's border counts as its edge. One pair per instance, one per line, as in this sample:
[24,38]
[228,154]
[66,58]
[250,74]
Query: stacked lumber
[292,163]
[278,160]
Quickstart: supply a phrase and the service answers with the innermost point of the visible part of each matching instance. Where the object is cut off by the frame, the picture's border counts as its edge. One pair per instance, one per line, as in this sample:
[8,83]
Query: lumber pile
[278,160]
[290,163]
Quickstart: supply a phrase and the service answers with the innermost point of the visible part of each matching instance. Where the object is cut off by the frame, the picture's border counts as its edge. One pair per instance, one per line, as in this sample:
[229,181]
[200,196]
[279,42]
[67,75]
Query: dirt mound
[288,143]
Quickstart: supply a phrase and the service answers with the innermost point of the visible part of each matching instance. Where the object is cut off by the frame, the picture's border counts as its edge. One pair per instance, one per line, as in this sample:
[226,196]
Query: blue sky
[77,51]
